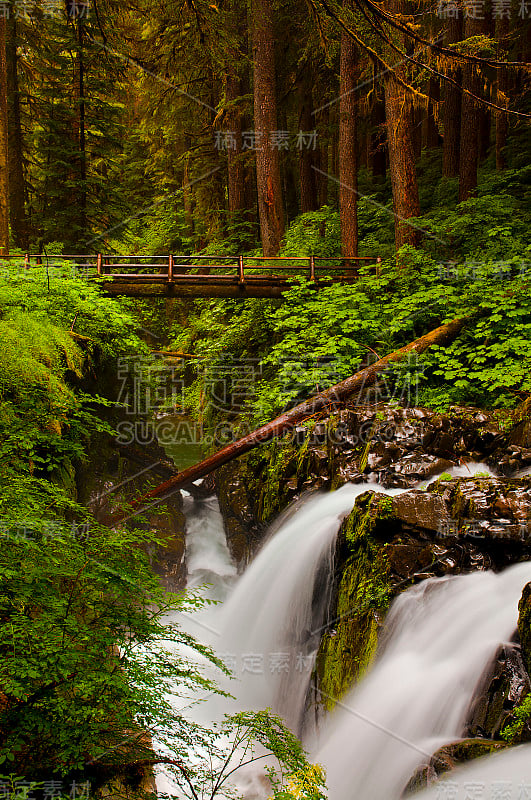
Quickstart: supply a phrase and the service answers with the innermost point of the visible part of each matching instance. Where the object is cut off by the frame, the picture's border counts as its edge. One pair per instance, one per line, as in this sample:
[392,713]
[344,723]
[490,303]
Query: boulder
[447,758]
[502,689]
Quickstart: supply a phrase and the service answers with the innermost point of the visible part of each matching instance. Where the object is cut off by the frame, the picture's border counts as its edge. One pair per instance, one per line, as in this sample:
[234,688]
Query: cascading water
[266,629]
[441,635]
[207,556]
[268,625]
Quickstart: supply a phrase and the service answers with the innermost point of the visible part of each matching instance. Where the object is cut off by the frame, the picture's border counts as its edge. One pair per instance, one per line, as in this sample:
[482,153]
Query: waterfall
[267,630]
[269,626]
[207,556]
[440,637]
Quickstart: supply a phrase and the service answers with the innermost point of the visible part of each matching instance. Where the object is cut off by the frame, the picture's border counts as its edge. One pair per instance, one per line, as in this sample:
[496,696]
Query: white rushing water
[441,635]
[267,630]
[208,560]
[503,776]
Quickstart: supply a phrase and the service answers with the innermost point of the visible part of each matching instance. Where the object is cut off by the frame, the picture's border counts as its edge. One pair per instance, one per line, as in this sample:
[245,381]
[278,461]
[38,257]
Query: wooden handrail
[245,273]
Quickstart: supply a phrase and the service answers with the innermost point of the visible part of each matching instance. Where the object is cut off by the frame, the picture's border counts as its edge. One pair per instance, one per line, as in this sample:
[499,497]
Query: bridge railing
[233,268]
[195,269]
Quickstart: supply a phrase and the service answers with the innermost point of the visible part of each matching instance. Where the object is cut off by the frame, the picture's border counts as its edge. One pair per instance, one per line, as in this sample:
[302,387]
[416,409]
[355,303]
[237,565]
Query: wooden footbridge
[199,276]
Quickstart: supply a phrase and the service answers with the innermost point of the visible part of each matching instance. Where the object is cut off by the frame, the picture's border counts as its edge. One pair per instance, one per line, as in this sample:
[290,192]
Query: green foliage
[445,476]
[88,660]
[304,784]
[522,714]
[84,647]
[49,340]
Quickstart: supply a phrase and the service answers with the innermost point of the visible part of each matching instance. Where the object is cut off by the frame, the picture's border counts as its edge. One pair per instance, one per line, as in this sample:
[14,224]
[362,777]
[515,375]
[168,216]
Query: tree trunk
[484,134]
[307,175]
[451,109]
[471,115]
[4,161]
[485,117]
[187,192]
[401,118]
[236,170]
[333,397]
[17,189]
[399,115]
[418,122]
[78,168]
[378,141]
[333,160]
[321,159]
[502,84]
[348,166]
[270,202]
[431,137]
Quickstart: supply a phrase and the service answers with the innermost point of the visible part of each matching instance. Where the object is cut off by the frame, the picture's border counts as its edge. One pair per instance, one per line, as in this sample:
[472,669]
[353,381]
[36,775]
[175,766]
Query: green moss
[363,598]
[370,511]
[266,472]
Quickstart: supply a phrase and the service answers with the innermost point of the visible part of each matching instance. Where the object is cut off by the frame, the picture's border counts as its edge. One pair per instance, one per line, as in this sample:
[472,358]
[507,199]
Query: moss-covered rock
[524,625]
[348,646]
[503,688]
[449,757]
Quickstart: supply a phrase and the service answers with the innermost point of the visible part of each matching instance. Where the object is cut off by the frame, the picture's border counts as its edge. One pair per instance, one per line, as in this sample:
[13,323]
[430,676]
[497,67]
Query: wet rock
[524,625]
[521,433]
[502,689]
[126,472]
[402,447]
[447,758]
[407,560]
[421,509]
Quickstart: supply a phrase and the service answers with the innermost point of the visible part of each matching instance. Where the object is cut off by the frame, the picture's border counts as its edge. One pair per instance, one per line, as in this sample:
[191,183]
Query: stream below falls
[439,637]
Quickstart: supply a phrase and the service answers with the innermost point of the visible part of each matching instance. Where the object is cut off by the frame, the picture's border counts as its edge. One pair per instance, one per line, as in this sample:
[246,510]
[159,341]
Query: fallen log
[329,399]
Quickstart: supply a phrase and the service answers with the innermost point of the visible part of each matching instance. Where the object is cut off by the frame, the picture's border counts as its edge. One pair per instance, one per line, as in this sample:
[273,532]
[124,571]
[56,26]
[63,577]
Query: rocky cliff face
[114,476]
[397,448]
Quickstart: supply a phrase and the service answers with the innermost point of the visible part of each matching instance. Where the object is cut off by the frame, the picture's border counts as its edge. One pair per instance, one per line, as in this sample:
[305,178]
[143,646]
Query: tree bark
[335,396]
[17,188]
[348,161]
[321,159]
[451,109]
[471,115]
[431,137]
[307,175]
[502,84]
[78,165]
[378,141]
[484,134]
[4,161]
[270,202]
[485,117]
[400,120]
[235,165]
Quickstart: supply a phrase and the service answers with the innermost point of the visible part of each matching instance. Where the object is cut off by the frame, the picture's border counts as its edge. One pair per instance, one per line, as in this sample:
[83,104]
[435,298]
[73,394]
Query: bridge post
[378,262]
[98,264]
[312,268]
[170,268]
[241,275]
[26,261]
